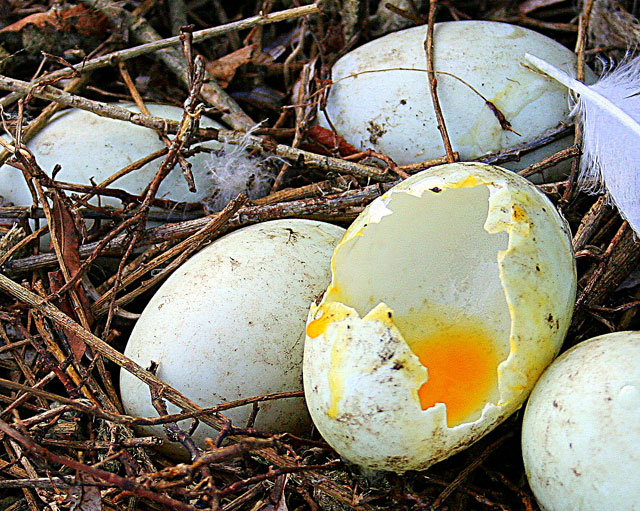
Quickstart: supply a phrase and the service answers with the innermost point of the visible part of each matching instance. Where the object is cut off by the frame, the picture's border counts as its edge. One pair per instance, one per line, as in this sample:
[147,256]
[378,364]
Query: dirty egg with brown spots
[380,95]
[434,328]
[230,324]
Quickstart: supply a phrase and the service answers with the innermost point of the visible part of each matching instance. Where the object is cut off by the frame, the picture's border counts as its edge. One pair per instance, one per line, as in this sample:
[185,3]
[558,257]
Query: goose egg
[450,294]
[230,323]
[88,146]
[380,94]
[581,428]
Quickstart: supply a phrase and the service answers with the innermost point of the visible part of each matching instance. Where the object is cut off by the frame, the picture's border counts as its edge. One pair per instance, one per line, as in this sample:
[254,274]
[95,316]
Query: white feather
[609,112]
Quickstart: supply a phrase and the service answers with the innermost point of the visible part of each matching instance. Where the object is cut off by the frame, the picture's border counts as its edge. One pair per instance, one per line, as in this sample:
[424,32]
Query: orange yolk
[462,367]
[318,326]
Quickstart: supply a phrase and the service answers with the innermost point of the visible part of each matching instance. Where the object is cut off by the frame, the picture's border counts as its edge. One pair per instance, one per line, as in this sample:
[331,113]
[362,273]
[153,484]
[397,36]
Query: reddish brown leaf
[69,240]
[328,139]
[78,18]
[56,281]
[224,69]
[67,234]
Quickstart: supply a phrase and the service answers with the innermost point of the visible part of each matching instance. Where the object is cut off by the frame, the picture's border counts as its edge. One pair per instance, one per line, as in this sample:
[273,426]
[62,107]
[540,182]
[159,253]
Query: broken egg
[230,324]
[450,294]
[380,95]
[581,428]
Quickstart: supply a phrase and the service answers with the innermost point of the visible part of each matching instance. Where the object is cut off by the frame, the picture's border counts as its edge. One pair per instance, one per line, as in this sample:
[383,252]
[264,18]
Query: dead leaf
[67,234]
[328,139]
[84,498]
[69,239]
[224,69]
[78,18]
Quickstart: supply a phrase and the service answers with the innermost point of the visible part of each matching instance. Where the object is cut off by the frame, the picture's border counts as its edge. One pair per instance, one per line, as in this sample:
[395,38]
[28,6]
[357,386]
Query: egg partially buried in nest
[88,146]
[380,96]
[581,428]
[230,323]
[450,294]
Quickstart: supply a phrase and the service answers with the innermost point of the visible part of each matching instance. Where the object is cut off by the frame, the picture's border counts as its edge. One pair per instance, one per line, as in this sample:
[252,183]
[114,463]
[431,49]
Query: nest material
[65,443]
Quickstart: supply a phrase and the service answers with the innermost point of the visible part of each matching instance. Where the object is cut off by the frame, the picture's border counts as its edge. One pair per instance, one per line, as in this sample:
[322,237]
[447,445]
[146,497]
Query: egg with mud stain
[450,294]
[380,95]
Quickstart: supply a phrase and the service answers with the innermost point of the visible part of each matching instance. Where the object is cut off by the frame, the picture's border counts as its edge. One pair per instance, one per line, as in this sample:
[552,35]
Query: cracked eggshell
[89,146]
[230,324]
[391,111]
[581,428]
[450,294]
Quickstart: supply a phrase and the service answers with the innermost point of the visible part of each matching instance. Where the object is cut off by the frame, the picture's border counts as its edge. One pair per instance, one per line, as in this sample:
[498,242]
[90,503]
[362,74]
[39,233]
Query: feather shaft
[583,90]
[609,113]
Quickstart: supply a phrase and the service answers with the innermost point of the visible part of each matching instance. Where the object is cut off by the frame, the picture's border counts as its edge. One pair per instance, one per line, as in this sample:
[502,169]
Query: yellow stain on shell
[336,375]
[518,214]
[468,182]
[326,314]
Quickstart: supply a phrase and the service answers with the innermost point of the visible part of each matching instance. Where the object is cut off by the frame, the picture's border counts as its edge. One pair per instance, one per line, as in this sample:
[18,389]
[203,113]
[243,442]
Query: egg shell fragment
[391,110]
[89,146]
[469,255]
[581,428]
[229,324]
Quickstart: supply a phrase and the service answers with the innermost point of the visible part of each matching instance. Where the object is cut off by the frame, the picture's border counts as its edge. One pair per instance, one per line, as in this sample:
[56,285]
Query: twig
[581,43]
[433,82]
[550,161]
[515,152]
[96,473]
[177,15]
[182,251]
[309,159]
[229,136]
[477,461]
[200,35]
[354,12]
[30,131]
[171,394]
[143,32]
[590,222]
[189,123]
[92,409]
[50,483]
[330,206]
[620,258]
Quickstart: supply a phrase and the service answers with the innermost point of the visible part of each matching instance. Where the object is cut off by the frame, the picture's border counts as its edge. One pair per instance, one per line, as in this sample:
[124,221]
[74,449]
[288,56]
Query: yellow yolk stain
[336,378]
[318,326]
[463,371]
[326,314]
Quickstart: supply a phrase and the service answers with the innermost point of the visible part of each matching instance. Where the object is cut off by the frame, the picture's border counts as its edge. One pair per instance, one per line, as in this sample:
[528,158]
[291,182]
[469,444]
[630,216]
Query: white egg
[450,294]
[581,428]
[88,146]
[391,111]
[229,324]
